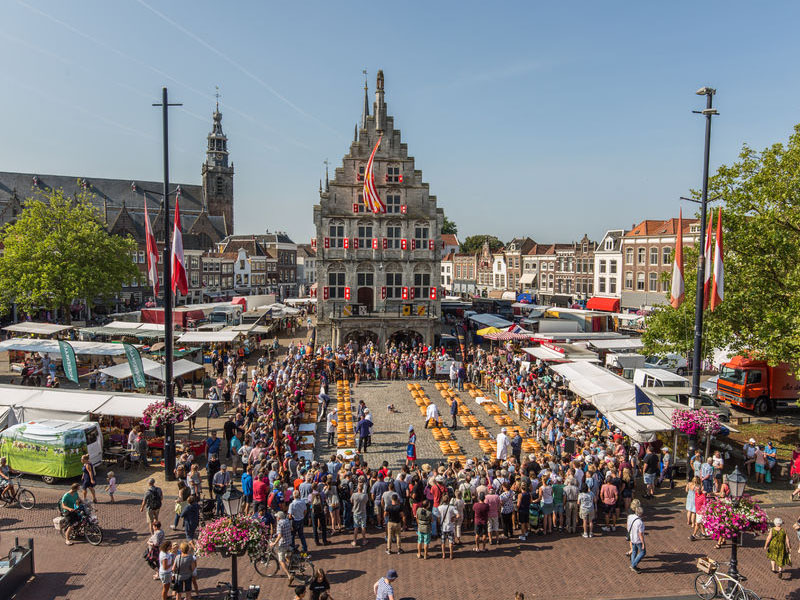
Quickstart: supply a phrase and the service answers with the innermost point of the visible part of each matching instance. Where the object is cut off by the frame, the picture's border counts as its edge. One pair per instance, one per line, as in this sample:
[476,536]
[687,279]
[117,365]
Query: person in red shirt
[438,490]
[260,490]
[481,513]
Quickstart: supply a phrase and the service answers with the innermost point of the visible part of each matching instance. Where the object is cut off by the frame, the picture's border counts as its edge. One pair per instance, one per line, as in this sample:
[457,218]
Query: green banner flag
[68,361]
[135,362]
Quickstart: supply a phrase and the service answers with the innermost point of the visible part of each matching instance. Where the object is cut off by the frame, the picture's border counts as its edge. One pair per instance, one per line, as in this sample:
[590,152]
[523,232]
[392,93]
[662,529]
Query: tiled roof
[449,239]
[652,227]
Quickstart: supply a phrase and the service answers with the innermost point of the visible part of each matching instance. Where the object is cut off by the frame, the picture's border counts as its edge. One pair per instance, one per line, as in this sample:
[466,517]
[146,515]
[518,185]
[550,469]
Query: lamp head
[737,482]
[706,91]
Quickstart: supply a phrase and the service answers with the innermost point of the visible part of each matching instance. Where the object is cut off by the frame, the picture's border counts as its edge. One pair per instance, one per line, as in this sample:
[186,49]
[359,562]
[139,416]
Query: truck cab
[755,385]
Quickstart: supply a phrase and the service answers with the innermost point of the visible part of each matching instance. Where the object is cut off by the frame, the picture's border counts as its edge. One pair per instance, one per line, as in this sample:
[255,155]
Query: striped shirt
[285,531]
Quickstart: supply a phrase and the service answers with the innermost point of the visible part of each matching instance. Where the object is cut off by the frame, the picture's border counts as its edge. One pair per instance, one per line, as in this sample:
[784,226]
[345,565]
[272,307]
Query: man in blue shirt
[363,429]
[297,512]
[212,443]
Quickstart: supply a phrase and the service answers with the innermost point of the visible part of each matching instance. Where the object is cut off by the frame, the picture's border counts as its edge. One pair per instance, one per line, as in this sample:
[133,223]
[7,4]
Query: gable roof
[653,227]
[450,239]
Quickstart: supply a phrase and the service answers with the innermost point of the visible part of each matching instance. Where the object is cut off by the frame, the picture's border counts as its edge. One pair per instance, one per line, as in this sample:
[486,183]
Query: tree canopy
[761,220]
[475,242]
[449,226]
[59,251]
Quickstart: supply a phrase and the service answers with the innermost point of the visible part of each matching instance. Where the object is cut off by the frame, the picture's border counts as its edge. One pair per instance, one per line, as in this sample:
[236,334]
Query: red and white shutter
[385,243]
[404,244]
[413,244]
[355,207]
[431,244]
[346,243]
[347,293]
[374,243]
[325,293]
[405,293]
[327,242]
[383,293]
[403,208]
[433,293]
[411,293]
[314,243]
[355,243]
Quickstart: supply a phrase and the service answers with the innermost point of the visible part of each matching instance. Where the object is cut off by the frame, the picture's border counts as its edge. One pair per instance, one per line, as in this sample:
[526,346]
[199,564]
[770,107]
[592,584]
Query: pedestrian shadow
[123,536]
[343,575]
[49,586]
[671,562]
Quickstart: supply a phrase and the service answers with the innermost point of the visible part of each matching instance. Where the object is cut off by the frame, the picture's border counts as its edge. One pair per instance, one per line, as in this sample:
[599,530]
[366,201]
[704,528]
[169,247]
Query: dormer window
[609,244]
[694,228]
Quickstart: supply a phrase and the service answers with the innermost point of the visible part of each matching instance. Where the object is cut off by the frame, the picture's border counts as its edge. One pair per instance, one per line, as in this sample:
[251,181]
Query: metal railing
[20,568]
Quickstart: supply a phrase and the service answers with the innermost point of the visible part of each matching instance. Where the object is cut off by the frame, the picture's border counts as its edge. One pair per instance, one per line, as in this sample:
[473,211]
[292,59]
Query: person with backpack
[152,500]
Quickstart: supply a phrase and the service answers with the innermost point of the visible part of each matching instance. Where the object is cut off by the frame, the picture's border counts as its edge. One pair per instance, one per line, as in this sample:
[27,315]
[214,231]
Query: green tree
[59,251]
[761,219]
[475,242]
[449,226]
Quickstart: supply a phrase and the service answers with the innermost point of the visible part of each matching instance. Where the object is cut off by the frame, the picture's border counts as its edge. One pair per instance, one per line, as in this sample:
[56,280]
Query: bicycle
[710,584]
[299,565]
[22,496]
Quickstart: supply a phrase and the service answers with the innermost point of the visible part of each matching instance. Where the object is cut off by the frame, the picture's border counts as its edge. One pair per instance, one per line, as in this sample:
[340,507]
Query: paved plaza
[595,568]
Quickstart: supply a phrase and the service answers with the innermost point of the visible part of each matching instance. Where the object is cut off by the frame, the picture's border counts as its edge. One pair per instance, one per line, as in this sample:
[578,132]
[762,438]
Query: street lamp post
[231,502]
[736,482]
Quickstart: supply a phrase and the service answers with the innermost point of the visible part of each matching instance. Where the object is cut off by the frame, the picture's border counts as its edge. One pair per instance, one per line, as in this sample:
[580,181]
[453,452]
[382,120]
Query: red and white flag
[372,201]
[707,265]
[179,280]
[677,289]
[151,251]
[718,289]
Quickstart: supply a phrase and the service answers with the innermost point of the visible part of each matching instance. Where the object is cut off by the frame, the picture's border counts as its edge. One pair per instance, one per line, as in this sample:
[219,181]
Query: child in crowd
[112,485]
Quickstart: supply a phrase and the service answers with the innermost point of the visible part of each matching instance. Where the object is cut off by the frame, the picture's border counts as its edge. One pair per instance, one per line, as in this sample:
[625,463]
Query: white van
[674,363]
[651,378]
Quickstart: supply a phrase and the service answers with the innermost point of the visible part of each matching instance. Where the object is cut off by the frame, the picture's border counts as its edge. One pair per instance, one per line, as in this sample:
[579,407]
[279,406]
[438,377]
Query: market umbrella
[157,346]
[487,330]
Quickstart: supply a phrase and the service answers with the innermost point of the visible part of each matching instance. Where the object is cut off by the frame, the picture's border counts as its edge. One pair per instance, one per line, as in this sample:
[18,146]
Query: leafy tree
[59,251]
[449,226]
[761,218]
[475,242]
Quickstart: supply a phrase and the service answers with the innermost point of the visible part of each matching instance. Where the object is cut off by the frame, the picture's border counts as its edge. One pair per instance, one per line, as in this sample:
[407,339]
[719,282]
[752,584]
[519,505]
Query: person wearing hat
[411,448]
[502,444]
[667,472]
[384,588]
[221,481]
[749,451]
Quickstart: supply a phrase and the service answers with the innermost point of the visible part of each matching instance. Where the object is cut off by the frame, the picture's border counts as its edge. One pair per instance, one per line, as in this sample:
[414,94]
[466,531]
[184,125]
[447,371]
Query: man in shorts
[424,517]
[449,515]
[359,502]
[481,512]
[493,501]
[650,468]
[282,542]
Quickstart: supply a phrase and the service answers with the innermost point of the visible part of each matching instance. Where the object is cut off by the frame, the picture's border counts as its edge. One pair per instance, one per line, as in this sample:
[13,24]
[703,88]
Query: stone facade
[465,268]
[608,265]
[378,274]
[647,251]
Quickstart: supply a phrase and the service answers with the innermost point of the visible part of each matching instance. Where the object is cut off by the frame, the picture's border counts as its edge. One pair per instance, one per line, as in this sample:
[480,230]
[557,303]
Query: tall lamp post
[708,112]
[231,502]
[736,482]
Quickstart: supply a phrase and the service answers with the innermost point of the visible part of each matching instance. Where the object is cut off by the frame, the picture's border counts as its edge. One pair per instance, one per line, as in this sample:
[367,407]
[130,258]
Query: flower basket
[724,519]
[233,536]
[161,413]
[692,422]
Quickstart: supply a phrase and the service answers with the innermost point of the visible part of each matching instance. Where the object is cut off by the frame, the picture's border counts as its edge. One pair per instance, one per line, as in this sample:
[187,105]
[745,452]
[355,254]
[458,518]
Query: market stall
[35,328]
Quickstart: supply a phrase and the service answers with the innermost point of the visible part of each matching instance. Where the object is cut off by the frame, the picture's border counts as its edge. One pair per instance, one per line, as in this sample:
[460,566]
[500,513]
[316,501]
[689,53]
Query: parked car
[708,387]
[675,363]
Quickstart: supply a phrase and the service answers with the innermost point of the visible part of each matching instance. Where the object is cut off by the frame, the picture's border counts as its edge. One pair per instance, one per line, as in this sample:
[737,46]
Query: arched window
[422,282]
[365,277]
[336,281]
[220,186]
[336,233]
[364,234]
[394,281]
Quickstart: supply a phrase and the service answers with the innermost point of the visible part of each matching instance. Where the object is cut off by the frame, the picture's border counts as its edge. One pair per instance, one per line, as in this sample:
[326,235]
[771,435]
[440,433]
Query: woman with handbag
[779,552]
[182,570]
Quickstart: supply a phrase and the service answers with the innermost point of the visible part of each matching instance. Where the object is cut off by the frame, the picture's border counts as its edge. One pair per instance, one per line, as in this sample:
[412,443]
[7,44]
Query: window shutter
[405,293]
[374,243]
[413,244]
[383,293]
[431,244]
[403,244]
[403,208]
[347,293]
[385,243]
[411,291]
[325,293]
[433,293]
[355,207]
[355,243]
[347,243]
[327,242]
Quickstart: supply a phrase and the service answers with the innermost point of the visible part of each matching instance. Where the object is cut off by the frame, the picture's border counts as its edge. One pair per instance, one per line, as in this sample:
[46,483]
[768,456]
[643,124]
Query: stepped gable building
[378,275]
[206,209]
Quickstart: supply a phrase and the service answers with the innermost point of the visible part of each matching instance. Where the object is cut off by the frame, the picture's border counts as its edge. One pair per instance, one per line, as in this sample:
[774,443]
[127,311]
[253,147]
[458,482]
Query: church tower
[218,175]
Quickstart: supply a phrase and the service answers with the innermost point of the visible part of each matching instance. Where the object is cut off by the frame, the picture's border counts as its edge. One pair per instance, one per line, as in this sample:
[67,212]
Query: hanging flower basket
[161,413]
[692,422]
[724,520]
[233,536]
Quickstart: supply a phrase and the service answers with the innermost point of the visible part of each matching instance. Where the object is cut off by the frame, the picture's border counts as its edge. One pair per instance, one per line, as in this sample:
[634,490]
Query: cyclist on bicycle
[282,543]
[70,508]
[6,488]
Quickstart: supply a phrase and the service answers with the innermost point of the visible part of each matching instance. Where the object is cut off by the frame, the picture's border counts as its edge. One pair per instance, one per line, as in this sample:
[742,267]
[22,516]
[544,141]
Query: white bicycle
[712,584]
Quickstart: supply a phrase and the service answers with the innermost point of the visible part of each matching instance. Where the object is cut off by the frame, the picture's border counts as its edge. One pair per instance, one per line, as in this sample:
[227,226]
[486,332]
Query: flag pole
[169,398]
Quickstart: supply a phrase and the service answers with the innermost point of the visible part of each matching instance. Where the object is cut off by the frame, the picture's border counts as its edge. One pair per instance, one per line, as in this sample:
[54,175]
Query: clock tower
[218,175]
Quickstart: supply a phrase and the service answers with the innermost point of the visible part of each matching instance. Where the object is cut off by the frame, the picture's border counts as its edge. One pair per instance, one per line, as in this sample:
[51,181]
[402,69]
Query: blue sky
[542,119]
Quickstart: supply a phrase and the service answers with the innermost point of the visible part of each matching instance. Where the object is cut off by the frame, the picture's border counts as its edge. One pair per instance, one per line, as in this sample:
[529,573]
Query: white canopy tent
[38,328]
[209,337]
[543,353]
[152,369]
[51,347]
[618,344]
[133,405]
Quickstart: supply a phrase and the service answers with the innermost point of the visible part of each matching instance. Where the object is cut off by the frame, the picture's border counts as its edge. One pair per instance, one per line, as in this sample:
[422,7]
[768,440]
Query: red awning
[607,304]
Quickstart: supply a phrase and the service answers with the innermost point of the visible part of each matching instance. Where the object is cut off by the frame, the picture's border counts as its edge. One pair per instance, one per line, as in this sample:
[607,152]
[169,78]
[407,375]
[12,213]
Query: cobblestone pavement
[596,568]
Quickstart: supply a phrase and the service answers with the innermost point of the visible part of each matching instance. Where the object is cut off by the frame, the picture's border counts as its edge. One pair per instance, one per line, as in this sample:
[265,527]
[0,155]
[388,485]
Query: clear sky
[548,119]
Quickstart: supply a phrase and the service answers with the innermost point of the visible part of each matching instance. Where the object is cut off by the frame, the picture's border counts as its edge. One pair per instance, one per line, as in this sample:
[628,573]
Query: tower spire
[327,183]
[365,112]
[380,106]
[217,152]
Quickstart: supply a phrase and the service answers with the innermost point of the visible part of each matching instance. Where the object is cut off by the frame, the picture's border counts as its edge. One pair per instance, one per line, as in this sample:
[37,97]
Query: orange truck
[756,386]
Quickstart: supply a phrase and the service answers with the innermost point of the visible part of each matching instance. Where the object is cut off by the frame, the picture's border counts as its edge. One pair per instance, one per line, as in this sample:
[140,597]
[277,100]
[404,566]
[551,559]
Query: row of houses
[623,271]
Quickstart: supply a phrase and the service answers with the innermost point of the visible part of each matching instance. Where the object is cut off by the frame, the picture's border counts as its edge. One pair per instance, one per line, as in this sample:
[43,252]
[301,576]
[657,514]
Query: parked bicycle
[299,565]
[14,492]
[712,584]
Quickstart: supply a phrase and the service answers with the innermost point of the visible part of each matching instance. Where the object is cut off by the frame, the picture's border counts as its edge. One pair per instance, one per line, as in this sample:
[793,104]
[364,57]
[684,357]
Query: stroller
[208,509]
[535,518]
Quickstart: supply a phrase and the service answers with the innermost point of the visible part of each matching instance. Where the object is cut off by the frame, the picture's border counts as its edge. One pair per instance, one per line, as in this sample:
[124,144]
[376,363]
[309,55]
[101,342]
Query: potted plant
[726,518]
[234,536]
[693,422]
[161,413]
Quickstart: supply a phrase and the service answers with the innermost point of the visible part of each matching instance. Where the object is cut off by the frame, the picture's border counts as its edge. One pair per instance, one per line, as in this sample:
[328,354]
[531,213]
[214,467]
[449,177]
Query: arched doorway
[405,338]
[366,298]
[361,337]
